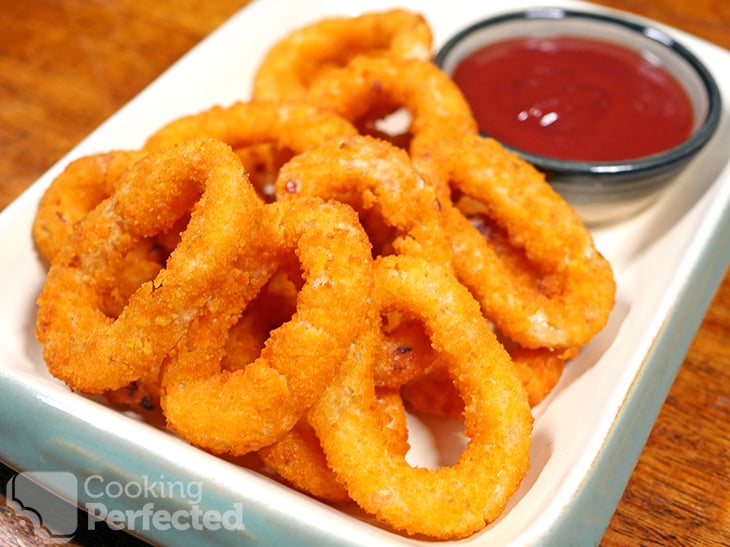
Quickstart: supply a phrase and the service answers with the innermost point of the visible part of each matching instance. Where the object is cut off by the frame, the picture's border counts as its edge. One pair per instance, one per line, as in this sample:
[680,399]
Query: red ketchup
[574,98]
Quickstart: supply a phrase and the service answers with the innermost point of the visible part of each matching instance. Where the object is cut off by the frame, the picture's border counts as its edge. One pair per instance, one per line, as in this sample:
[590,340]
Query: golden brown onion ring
[574,289]
[237,412]
[92,352]
[368,173]
[82,185]
[449,502]
[298,457]
[298,59]
[431,98]
[295,127]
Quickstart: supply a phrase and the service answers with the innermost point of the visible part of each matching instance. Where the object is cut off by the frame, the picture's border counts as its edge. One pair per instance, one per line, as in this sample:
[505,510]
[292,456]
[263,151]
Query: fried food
[82,185]
[367,84]
[297,60]
[293,127]
[93,352]
[433,392]
[298,457]
[258,404]
[281,275]
[448,502]
[574,291]
[371,175]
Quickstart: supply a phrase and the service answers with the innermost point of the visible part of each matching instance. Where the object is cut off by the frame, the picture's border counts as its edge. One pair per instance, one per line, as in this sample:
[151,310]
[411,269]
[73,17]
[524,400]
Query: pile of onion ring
[288,277]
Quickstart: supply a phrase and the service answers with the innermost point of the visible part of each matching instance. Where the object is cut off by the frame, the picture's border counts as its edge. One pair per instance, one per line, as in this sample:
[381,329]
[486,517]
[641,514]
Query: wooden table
[66,65]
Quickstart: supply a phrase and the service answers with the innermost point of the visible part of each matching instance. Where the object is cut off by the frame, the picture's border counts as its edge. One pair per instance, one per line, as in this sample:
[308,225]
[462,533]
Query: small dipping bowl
[604,191]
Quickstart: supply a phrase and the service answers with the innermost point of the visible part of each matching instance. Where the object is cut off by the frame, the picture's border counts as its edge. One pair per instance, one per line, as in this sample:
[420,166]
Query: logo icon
[53,519]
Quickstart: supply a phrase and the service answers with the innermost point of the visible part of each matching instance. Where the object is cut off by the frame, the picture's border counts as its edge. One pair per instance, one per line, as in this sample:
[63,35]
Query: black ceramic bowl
[605,191]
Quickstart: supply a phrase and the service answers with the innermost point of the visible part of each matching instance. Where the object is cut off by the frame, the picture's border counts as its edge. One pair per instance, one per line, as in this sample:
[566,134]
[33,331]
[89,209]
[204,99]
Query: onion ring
[295,127]
[497,416]
[92,352]
[82,185]
[432,99]
[265,135]
[370,174]
[258,404]
[575,289]
[297,60]
[298,457]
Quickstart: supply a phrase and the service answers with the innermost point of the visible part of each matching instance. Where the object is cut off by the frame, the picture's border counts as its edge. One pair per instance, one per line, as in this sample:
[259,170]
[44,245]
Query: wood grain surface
[67,65]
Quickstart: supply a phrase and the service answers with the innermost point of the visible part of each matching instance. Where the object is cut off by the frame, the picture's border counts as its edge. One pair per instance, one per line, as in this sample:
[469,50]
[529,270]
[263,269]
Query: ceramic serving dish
[668,260]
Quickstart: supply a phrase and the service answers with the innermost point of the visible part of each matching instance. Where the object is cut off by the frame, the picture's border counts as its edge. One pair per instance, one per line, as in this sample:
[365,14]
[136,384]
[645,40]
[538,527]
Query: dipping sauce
[574,98]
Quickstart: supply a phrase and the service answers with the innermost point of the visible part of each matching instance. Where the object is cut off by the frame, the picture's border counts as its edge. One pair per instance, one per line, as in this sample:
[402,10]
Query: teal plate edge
[27,422]
[585,520]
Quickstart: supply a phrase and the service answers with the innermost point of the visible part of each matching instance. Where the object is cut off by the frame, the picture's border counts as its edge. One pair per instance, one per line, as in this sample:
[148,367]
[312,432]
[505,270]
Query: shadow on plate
[589,356]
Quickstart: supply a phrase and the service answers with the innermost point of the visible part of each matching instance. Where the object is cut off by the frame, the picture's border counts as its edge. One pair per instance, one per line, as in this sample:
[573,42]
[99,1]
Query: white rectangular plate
[668,261]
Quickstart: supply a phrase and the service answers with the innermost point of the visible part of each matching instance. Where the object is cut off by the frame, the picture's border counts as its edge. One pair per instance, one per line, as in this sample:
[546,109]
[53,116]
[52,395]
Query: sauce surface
[574,98]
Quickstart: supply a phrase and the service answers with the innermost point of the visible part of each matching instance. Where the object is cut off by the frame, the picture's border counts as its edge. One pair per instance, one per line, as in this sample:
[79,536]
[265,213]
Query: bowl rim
[634,166]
